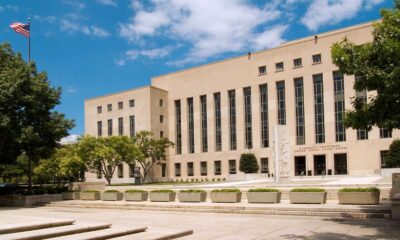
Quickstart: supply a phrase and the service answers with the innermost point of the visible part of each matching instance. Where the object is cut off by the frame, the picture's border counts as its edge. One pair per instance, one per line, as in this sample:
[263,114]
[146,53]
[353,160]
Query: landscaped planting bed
[192,195]
[308,195]
[90,195]
[359,196]
[263,195]
[136,195]
[162,195]
[231,195]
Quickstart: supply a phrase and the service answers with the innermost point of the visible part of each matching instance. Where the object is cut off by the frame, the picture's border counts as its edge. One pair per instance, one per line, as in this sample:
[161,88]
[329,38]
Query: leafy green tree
[28,122]
[248,163]
[153,151]
[377,64]
[393,155]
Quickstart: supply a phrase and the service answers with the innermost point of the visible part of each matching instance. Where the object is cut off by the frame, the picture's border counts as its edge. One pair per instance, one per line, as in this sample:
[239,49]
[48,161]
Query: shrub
[371,189]
[135,191]
[393,155]
[90,191]
[192,191]
[248,163]
[112,191]
[263,190]
[308,190]
[72,191]
[162,191]
[226,190]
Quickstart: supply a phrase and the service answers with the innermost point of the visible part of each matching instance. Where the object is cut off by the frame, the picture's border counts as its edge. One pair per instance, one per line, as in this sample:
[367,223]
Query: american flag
[21,28]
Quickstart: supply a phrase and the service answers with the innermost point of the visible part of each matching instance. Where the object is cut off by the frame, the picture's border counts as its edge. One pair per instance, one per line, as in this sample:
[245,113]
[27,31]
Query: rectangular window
[232,166]
[120,105]
[264,165]
[297,63]
[280,89]
[190,170]
[362,134]
[264,115]
[204,138]
[120,170]
[385,133]
[262,70]
[99,128]
[218,127]
[161,118]
[120,126]
[178,127]
[163,170]
[316,58]
[217,167]
[132,126]
[190,124]
[232,119]
[161,134]
[161,103]
[340,163]
[177,169]
[99,109]
[203,168]
[299,101]
[131,170]
[110,127]
[383,158]
[338,83]
[279,67]
[247,118]
[319,108]
[109,107]
[132,103]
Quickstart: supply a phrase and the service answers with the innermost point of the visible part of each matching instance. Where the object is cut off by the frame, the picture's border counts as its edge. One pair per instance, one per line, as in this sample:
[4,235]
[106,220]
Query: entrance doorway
[340,163]
[300,166]
[319,165]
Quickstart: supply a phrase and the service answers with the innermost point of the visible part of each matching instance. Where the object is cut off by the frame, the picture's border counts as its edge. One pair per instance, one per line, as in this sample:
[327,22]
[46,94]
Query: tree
[153,151]
[377,64]
[28,123]
[105,154]
[248,163]
[393,155]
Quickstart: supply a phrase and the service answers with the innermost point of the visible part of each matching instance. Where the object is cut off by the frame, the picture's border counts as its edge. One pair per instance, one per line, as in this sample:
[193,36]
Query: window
[120,126]
[161,118]
[279,67]
[120,105]
[178,129]
[190,169]
[280,88]
[132,126]
[316,58]
[163,170]
[383,158]
[338,83]
[340,163]
[385,133]
[262,70]
[218,127]
[109,126]
[161,134]
[203,168]
[98,172]
[232,119]
[264,115]
[204,136]
[99,109]
[190,124]
[362,134]
[297,63]
[217,167]
[299,101]
[120,170]
[99,128]
[161,103]
[264,165]
[232,166]
[132,103]
[319,108]
[177,169]
[131,170]
[361,96]
[247,118]
[109,107]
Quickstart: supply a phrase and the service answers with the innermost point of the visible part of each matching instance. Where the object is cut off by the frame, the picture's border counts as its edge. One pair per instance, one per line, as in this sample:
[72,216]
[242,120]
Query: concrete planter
[359,198]
[192,196]
[162,196]
[90,195]
[226,197]
[136,196]
[70,195]
[28,200]
[112,196]
[264,197]
[308,197]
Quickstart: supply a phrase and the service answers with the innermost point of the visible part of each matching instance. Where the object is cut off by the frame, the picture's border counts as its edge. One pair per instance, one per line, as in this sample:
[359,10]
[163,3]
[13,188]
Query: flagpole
[29,41]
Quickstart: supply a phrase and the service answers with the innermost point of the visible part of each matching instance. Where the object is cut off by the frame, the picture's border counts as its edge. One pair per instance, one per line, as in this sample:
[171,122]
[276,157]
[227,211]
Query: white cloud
[48,19]
[329,12]
[120,62]
[148,53]
[73,138]
[1,9]
[72,90]
[269,38]
[108,2]
[12,7]
[72,26]
[75,4]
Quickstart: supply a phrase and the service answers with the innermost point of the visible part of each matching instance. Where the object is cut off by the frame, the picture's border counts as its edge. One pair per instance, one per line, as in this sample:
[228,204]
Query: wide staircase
[71,230]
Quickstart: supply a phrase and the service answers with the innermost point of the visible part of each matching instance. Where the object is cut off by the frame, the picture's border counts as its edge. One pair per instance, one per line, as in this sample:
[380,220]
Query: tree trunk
[108,181]
[29,174]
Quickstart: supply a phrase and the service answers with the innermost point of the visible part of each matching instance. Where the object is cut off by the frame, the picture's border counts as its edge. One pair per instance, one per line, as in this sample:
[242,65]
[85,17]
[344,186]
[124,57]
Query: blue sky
[95,47]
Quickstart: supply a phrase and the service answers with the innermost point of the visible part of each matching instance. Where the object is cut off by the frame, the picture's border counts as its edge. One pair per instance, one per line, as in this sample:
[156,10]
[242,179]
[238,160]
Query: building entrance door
[340,163]
[300,166]
[319,165]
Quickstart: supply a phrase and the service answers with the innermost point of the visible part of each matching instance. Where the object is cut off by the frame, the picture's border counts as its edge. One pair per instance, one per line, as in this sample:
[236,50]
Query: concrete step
[54,231]
[28,226]
[157,234]
[103,234]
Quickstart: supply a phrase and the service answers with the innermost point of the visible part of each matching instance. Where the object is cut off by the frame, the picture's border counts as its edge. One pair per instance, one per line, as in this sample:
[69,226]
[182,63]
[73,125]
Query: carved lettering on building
[320,148]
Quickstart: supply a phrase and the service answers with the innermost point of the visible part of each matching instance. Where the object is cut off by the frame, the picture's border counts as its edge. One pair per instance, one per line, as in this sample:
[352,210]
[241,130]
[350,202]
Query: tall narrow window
[132,103]
[109,107]
[232,166]
[120,170]
[120,105]
[319,108]
[299,99]
[178,127]
[204,139]
[99,109]
[385,133]
[280,90]
[338,83]
[361,96]
[264,165]
[203,168]
[132,126]
[217,167]
[247,118]
[190,124]
[99,128]
[190,170]
[218,130]
[120,126]
[232,119]
[264,115]
[177,169]
[109,127]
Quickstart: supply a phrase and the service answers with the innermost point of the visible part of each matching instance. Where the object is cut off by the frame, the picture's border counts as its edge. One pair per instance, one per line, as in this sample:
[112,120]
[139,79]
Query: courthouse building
[215,112]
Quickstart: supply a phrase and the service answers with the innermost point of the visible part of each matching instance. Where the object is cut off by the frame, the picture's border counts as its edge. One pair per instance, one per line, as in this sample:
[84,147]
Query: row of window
[121,105]
[297,63]
[120,127]
[132,171]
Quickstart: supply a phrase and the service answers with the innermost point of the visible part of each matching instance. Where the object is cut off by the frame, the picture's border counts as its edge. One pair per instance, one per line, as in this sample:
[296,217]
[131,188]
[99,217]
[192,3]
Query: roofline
[282,45]
[124,91]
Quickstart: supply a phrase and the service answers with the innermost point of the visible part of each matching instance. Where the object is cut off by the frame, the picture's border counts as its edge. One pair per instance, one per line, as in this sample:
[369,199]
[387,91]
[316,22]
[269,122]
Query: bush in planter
[70,195]
[162,195]
[264,195]
[112,195]
[308,190]
[90,195]
[192,195]
[248,163]
[192,191]
[264,190]
[135,191]
[371,189]
[136,195]
[308,195]
[360,196]
[227,195]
